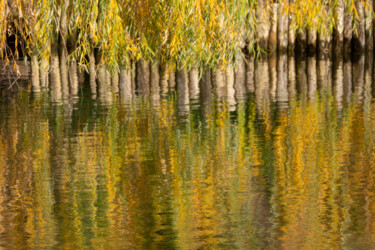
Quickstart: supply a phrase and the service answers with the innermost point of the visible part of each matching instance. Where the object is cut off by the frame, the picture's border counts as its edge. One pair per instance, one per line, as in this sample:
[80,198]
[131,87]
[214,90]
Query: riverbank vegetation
[181,33]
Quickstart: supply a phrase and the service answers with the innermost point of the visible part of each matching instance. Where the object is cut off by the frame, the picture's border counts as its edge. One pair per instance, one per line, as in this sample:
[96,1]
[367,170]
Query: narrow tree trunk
[369,27]
[125,84]
[54,76]
[73,78]
[115,81]
[282,82]
[325,43]
[35,72]
[359,78]
[282,29]
[324,74]
[81,77]
[348,29]
[43,73]
[133,75]
[218,82]
[63,48]
[301,79]
[348,84]
[163,80]
[240,81]
[369,64]
[263,26]
[92,74]
[291,77]
[205,86]
[338,82]
[339,31]
[194,83]
[311,78]
[104,86]
[311,40]
[183,92]
[229,76]
[172,80]
[250,84]
[301,41]
[143,77]
[359,39]
[292,33]
[262,83]
[325,37]
[272,43]
[154,84]
[64,72]
[272,66]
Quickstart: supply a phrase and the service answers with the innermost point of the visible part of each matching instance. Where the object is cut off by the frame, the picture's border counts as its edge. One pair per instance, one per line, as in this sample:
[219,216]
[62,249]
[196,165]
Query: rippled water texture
[278,154]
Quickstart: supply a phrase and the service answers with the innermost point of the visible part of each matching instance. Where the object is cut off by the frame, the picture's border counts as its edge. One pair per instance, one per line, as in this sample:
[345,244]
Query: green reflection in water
[282,169]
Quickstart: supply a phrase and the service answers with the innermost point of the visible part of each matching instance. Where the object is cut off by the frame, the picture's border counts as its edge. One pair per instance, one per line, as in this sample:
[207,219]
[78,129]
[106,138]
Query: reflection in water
[277,158]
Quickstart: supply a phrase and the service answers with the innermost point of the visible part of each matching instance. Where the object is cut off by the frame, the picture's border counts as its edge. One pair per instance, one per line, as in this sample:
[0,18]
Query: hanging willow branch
[182,33]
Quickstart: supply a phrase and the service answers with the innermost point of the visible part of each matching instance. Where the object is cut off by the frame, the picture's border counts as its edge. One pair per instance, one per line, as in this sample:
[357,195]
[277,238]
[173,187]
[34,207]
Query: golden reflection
[292,169]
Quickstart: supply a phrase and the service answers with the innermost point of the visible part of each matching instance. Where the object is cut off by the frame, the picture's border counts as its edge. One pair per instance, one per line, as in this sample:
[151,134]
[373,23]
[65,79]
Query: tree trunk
[183,92]
[291,77]
[325,37]
[172,80]
[311,78]
[104,90]
[263,26]
[292,33]
[272,43]
[73,78]
[369,27]
[154,84]
[218,82]
[63,48]
[311,40]
[35,72]
[64,72]
[205,87]
[250,84]
[262,91]
[301,41]
[43,73]
[143,77]
[359,78]
[115,81]
[54,76]
[339,31]
[359,39]
[194,83]
[325,46]
[229,79]
[125,84]
[301,78]
[240,81]
[92,73]
[348,84]
[282,82]
[338,82]
[282,29]
[348,26]
[163,80]
[272,66]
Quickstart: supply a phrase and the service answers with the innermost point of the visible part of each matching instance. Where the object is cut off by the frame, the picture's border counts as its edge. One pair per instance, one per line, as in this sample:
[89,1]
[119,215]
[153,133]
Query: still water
[278,154]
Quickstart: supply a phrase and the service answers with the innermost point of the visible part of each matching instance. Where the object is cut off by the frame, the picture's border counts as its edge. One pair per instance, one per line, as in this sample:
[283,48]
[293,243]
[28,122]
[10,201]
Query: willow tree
[178,33]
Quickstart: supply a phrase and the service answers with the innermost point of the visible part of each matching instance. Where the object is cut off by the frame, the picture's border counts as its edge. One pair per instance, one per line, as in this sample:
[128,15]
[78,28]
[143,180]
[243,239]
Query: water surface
[279,154]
